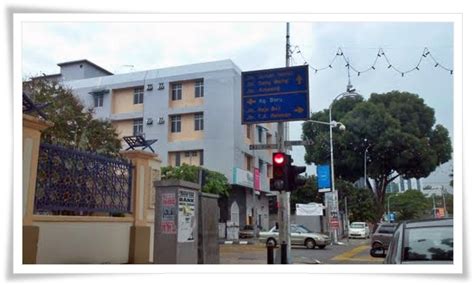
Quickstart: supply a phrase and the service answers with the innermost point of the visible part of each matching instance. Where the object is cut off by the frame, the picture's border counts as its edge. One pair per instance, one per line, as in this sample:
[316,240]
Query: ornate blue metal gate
[81,182]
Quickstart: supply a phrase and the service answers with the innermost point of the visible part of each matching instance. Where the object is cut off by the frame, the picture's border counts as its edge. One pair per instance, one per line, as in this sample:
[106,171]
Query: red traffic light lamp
[281,162]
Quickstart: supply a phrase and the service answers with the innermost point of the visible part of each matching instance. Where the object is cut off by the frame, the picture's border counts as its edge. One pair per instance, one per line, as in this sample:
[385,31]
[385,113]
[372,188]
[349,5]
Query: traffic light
[294,179]
[281,162]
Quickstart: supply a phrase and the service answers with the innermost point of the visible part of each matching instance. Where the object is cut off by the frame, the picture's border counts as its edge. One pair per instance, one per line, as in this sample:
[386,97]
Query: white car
[359,230]
[300,235]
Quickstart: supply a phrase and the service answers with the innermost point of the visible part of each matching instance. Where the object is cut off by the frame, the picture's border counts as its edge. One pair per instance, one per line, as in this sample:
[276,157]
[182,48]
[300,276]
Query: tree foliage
[396,128]
[215,182]
[360,201]
[74,125]
[411,204]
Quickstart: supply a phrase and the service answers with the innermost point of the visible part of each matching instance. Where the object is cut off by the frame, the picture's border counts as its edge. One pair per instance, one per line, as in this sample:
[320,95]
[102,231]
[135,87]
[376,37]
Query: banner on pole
[312,209]
[324,177]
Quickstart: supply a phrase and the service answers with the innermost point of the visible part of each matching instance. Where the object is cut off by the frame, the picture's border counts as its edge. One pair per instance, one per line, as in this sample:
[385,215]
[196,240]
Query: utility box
[208,252]
[176,222]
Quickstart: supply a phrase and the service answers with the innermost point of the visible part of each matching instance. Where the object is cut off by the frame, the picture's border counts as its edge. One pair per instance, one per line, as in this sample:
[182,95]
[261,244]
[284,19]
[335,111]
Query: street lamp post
[365,164]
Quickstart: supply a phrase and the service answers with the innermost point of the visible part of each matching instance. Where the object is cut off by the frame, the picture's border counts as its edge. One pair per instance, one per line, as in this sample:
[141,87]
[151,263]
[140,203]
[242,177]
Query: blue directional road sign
[324,177]
[275,95]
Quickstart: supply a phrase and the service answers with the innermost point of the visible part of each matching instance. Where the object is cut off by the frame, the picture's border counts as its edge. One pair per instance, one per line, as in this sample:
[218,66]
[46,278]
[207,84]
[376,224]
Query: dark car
[383,235]
[247,232]
[420,242]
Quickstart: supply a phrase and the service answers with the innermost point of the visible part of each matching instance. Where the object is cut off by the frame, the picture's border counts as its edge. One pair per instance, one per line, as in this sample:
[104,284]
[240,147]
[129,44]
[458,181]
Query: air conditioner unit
[149,87]
[161,121]
[149,121]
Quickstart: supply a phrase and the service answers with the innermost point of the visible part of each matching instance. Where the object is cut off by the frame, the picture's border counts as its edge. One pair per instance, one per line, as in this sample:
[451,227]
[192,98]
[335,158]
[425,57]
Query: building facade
[194,112]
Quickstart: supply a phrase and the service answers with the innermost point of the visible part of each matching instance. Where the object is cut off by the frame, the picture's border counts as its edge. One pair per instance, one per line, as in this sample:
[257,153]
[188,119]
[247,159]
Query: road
[352,252]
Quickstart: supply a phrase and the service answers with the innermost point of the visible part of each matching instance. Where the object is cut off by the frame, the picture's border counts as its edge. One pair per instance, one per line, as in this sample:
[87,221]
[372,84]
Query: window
[176,91]
[177,158]
[249,163]
[199,122]
[138,95]
[176,124]
[269,170]
[186,154]
[428,243]
[199,88]
[249,128]
[98,100]
[137,127]
[260,165]
[260,133]
[194,153]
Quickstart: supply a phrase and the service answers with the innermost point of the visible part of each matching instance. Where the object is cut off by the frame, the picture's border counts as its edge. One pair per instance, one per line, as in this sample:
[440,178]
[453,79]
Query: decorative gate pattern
[78,181]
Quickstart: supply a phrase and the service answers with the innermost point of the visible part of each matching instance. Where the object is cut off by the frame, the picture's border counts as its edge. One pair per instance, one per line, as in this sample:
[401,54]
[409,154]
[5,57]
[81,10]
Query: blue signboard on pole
[323,172]
[275,95]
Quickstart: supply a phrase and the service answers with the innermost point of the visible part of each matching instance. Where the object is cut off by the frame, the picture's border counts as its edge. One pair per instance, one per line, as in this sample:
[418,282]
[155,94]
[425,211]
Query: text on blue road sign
[275,95]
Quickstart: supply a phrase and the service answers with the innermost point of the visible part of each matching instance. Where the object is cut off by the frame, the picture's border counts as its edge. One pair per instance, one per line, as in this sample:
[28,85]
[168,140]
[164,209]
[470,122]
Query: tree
[307,193]
[411,204]
[398,130]
[74,125]
[215,182]
[360,201]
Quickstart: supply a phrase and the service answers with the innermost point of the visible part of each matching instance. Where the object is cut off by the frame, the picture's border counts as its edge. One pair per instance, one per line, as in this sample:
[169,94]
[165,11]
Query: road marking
[351,253]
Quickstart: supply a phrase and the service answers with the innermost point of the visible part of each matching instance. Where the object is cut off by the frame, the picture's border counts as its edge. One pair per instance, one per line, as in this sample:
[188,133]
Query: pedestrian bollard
[270,254]
[284,257]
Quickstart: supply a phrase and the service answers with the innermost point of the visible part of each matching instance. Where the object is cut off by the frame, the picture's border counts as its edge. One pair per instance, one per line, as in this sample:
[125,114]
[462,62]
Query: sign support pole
[284,196]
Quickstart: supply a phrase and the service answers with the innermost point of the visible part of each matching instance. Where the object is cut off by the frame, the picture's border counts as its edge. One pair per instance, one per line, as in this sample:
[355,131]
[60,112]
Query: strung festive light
[330,66]
[436,65]
[373,67]
[389,66]
[417,68]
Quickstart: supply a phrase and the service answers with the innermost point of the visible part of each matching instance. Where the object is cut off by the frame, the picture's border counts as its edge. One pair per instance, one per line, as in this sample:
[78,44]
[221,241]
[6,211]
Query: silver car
[300,235]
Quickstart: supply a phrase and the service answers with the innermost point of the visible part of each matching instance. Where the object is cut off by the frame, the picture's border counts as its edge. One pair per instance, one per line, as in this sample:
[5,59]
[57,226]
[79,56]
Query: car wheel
[321,246]
[271,242]
[310,243]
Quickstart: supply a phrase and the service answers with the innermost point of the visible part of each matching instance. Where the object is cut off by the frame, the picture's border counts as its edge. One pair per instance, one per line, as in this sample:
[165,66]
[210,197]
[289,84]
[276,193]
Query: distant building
[434,190]
[195,113]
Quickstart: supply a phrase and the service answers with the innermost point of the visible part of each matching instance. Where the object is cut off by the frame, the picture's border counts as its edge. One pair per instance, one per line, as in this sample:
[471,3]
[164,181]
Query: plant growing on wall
[214,182]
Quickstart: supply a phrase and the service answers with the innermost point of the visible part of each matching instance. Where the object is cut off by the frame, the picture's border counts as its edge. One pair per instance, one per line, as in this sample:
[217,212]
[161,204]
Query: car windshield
[357,226]
[435,243]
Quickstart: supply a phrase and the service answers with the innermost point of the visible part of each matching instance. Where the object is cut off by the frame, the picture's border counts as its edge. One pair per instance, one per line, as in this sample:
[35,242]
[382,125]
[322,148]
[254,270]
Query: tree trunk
[379,198]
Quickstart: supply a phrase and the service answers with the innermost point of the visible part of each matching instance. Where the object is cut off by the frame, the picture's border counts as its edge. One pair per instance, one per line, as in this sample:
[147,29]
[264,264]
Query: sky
[122,47]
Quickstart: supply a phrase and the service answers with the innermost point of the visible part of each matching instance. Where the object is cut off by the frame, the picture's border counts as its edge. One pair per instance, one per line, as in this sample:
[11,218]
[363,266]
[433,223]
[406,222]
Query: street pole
[254,212]
[336,202]
[284,196]
[444,206]
[365,169]
[434,206]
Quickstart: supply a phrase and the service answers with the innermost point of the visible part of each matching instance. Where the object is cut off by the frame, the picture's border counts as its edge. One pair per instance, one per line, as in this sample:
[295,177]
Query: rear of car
[428,242]
[383,235]
[420,242]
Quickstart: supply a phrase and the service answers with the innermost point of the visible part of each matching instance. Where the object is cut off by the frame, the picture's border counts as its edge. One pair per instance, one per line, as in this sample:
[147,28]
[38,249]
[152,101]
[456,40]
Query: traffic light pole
[284,196]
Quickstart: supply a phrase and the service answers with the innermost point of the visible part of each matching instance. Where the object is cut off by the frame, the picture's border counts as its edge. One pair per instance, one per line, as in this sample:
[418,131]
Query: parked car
[420,242]
[359,229]
[383,235]
[247,232]
[300,235]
